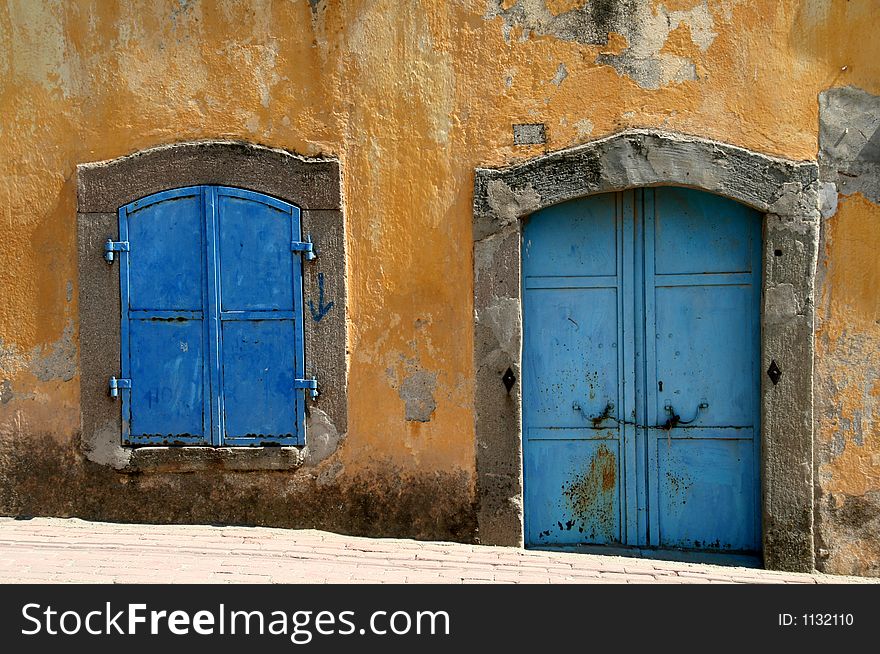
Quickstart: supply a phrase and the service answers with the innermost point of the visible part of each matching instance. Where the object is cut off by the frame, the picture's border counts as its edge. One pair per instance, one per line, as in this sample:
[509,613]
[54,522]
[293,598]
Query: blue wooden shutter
[163,331]
[212,340]
[259,310]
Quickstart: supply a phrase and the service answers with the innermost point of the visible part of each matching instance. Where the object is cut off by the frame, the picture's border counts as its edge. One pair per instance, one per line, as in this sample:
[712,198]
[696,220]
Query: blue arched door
[641,353]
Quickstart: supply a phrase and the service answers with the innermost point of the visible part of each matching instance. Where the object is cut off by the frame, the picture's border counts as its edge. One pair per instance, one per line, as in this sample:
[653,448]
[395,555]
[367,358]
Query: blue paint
[622,293]
[322,309]
[212,319]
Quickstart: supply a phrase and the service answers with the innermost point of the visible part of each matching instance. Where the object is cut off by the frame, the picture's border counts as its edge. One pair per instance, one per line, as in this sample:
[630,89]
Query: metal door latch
[116,384]
[674,419]
[306,247]
[310,386]
[112,246]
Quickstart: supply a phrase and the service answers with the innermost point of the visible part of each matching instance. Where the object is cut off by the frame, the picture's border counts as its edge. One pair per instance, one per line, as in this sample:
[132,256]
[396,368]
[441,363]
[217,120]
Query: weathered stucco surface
[848,343]
[410,96]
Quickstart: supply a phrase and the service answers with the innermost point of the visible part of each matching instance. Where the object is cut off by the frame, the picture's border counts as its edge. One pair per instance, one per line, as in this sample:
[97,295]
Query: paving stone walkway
[52,550]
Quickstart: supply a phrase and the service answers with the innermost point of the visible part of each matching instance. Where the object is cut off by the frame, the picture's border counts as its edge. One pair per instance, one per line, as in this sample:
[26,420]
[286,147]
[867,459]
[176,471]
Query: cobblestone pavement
[44,550]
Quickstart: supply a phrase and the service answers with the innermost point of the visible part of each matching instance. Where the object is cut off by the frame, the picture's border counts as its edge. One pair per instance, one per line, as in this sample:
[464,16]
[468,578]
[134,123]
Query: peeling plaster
[584,128]
[323,437]
[849,141]
[508,204]
[417,393]
[848,357]
[102,447]
[645,28]
[58,361]
[561,74]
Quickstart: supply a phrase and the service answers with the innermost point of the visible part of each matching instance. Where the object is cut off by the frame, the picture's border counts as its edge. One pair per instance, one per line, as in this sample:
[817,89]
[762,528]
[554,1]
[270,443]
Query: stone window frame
[787,193]
[312,184]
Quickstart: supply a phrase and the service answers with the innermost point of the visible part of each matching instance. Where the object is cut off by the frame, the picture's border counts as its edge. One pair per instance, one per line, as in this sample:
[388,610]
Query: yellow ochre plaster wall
[411,96]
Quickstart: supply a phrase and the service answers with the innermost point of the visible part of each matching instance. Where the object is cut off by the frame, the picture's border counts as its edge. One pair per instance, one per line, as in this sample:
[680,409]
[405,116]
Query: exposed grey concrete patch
[312,184]
[417,393]
[849,140]
[11,359]
[5,391]
[508,204]
[645,27]
[69,291]
[786,191]
[584,127]
[561,74]
[529,134]
[827,199]
[58,361]
[103,447]
[652,72]
[323,438]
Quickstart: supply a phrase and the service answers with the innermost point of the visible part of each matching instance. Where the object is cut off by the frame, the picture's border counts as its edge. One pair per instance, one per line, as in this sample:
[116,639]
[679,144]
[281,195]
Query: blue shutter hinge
[310,386]
[112,246]
[116,384]
[306,247]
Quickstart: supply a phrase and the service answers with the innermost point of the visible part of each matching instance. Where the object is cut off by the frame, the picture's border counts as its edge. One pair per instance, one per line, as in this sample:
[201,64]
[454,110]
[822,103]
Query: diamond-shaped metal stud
[509,379]
[774,373]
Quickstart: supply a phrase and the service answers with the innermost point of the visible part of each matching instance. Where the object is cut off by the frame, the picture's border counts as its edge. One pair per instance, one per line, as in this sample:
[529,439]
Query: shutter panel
[259,308]
[163,325]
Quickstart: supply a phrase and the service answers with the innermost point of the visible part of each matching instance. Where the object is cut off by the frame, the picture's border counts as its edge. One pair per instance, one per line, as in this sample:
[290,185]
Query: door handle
[599,417]
[674,419]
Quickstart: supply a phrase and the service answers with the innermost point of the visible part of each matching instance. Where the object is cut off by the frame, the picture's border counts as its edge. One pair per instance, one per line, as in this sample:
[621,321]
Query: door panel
[571,349]
[576,239]
[573,361]
[705,493]
[258,373]
[697,232]
[641,338]
[702,334]
[574,494]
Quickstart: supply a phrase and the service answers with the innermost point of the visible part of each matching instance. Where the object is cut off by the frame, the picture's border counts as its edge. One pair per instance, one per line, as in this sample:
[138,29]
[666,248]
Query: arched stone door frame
[786,192]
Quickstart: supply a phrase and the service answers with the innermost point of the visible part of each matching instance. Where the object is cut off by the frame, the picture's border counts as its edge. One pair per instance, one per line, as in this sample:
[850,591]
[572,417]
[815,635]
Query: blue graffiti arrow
[322,308]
